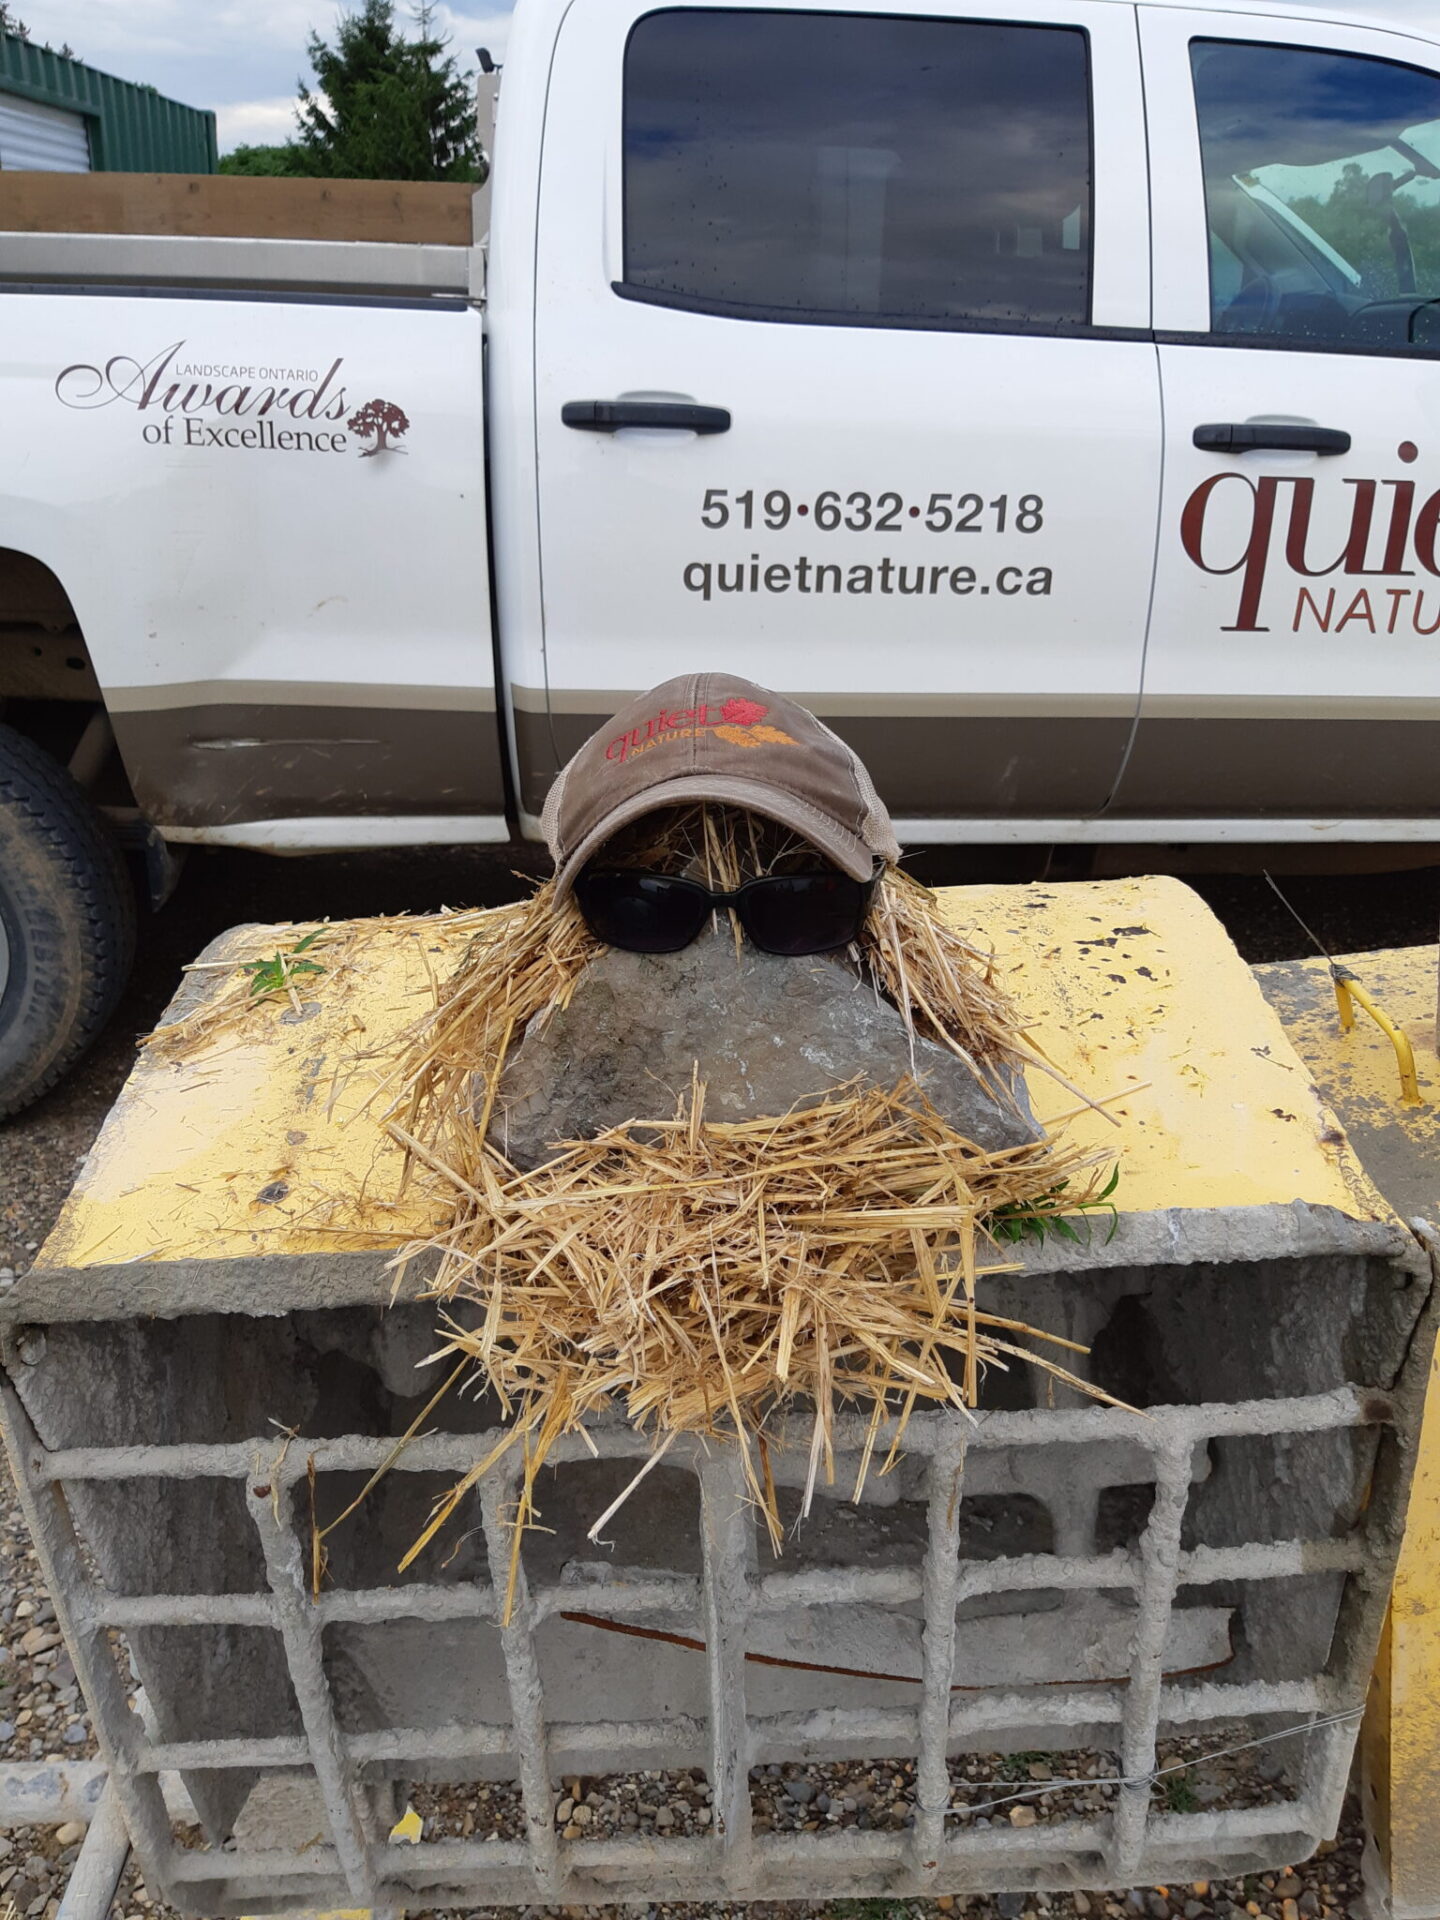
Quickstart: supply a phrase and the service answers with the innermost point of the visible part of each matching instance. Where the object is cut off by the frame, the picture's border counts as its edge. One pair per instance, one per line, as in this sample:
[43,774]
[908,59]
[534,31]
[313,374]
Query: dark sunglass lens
[640,912]
[795,914]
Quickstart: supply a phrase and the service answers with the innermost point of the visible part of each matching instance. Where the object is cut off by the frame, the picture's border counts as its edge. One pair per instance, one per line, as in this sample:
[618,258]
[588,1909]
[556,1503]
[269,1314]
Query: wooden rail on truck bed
[234,206]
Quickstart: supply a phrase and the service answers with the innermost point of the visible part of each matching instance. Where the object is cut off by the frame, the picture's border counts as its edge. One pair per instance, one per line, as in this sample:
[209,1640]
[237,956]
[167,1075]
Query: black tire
[67,922]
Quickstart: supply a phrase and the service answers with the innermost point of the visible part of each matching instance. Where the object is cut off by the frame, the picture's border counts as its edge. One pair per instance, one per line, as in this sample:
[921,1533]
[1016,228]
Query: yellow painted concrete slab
[266,1140]
[1135,984]
[1357,1073]
[1400,1145]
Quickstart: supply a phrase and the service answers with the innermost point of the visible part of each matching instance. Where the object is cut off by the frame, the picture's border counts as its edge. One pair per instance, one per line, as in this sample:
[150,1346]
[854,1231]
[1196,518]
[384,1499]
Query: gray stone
[1010,1905]
[768,1035]
[802,1792]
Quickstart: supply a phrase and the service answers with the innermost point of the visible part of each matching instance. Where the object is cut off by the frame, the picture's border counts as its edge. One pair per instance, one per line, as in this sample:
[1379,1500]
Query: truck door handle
[608,416]
[1244,436]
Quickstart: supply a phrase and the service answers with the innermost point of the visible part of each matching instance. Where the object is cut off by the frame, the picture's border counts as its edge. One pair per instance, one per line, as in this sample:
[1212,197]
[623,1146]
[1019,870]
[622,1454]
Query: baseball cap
[715,736]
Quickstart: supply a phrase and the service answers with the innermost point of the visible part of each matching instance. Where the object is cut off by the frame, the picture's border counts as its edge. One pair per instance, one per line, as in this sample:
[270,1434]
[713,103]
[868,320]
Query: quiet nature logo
[1387,534]
[185,402]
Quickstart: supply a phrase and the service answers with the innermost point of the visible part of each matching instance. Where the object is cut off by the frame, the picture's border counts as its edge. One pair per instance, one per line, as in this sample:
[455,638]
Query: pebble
[71,1833]
[801,1791]
[1023,1816]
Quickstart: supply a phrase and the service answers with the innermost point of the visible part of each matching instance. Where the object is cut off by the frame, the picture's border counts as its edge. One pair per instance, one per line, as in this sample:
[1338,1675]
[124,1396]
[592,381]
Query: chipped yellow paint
[1400,1145]
[274,1106]
[1131,988]
[409,1828]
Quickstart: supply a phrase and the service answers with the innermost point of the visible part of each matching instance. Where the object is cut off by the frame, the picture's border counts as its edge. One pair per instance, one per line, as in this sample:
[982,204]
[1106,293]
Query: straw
[722,1278]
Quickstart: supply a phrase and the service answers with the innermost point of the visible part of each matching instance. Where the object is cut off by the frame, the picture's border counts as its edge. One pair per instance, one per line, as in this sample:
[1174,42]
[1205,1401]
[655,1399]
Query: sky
[241,57]
[245,57]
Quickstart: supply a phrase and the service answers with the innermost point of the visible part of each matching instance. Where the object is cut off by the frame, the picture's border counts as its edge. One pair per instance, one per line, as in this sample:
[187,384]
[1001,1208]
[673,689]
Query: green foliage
[387,107]
[276,974]
[1359,229]
[10,23]
[1016,1766]
[1052,1215]
[284,161]
[1179,1790]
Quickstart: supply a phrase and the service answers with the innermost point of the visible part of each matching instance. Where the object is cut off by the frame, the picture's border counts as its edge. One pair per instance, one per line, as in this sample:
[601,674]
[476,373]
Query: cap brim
[848,850]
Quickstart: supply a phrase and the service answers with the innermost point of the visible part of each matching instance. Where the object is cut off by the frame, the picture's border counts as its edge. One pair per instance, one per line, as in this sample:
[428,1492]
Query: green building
[59,116]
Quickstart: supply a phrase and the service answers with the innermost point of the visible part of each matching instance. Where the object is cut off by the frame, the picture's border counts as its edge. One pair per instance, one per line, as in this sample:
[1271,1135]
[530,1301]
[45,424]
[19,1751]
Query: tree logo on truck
[382,421]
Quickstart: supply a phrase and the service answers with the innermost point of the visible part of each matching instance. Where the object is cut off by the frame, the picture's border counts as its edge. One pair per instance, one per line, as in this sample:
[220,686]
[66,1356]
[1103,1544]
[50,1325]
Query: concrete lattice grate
[1117,1834]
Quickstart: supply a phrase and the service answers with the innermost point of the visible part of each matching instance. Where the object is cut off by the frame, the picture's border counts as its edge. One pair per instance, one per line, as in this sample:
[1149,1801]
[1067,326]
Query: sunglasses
[790,914]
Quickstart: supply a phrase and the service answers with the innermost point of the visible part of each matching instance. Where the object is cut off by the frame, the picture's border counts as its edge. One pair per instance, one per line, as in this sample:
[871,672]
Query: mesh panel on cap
[876,829]
[550,814]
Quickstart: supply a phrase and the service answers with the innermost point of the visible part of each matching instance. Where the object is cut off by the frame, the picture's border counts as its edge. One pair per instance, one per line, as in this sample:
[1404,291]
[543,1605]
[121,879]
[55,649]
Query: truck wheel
[67,922]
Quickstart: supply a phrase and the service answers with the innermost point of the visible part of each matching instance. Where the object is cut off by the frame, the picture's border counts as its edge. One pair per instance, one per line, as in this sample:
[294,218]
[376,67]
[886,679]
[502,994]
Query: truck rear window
[858,167]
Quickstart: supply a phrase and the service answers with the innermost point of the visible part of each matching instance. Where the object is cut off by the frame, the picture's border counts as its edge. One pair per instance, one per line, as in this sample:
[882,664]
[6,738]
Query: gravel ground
[40,1709]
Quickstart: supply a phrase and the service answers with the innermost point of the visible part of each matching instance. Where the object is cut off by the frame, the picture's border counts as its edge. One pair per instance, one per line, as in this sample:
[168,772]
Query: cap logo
[738,721]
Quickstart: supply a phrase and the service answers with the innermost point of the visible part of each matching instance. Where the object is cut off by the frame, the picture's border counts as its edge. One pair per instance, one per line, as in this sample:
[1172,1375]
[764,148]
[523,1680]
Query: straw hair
[714,1277]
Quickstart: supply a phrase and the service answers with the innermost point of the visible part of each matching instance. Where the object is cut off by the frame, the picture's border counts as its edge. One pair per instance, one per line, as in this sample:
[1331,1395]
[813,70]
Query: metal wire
[1089,1781]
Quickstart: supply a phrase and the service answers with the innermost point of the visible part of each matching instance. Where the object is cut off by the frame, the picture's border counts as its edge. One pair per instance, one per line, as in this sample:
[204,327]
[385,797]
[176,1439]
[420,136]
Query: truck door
[1293,668]
[843,381]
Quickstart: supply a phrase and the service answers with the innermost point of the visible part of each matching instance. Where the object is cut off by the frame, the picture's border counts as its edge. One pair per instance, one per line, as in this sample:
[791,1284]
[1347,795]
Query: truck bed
[125,229]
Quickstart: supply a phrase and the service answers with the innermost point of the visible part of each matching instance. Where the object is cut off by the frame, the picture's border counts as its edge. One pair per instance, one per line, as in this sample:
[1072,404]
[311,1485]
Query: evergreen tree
[387,108]
[10,24]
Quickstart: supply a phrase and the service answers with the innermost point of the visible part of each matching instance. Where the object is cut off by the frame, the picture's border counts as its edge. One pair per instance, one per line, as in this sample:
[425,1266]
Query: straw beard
[723,1278]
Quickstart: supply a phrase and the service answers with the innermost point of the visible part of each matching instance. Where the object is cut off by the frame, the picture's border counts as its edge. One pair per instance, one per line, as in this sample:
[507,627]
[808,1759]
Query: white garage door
[41,139]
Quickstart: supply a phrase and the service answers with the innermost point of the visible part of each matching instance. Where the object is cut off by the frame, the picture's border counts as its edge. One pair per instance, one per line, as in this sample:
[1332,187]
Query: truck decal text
[196,403]
[1388,529]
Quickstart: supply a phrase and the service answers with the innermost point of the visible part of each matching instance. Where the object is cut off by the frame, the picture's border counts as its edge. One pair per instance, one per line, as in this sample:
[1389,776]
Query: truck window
[860,169]
[1322,188]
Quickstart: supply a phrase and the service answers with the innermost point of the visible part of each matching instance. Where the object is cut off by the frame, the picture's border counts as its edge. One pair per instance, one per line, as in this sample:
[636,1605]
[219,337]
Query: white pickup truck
[1045,391]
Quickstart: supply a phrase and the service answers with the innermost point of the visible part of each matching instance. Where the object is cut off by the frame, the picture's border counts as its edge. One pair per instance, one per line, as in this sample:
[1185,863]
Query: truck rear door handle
[608,416]
[1245,436]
